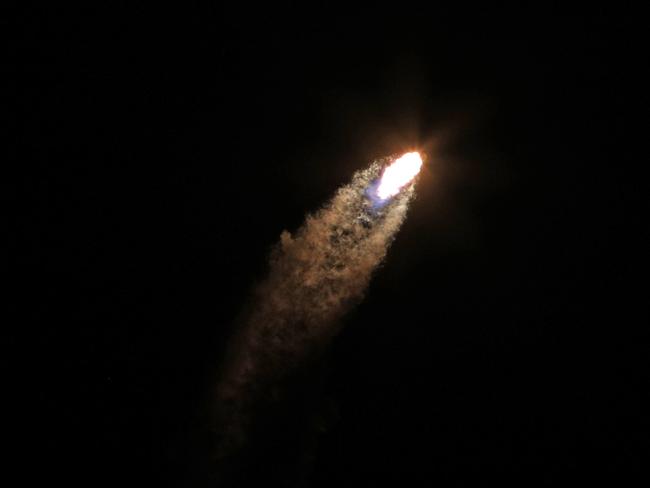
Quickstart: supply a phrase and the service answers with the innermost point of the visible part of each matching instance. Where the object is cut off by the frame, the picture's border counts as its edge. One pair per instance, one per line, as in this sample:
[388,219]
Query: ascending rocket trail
[315,276]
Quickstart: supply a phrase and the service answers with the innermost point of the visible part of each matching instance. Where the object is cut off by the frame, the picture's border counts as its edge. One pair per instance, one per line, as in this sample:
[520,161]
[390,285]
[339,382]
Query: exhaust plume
[316,275]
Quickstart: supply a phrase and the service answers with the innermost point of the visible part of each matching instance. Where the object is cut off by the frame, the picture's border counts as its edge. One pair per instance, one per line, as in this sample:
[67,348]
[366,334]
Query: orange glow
[398,174]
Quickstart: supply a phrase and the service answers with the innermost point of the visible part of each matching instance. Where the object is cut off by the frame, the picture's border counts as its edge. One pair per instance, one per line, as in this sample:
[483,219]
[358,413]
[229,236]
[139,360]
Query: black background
[502,342]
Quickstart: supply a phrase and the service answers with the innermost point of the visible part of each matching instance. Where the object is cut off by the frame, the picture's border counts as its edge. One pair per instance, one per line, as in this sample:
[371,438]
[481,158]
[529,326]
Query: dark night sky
[502,342]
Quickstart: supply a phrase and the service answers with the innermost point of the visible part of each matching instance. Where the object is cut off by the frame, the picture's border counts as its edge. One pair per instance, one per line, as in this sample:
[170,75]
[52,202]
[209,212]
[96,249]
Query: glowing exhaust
[316,275]
[398,174]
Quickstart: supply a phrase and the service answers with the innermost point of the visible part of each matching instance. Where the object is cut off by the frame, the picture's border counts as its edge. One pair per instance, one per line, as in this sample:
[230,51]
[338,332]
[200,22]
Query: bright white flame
[399,174]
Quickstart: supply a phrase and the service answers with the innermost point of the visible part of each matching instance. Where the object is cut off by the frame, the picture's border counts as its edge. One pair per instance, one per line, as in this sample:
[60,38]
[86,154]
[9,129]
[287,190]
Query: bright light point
[398,174]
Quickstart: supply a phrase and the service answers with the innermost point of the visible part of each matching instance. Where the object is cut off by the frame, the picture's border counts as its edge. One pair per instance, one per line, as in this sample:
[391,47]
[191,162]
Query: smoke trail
[315,276]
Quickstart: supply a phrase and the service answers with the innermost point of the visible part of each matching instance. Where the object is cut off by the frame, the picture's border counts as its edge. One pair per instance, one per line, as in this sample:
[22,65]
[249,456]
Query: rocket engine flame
[398,174]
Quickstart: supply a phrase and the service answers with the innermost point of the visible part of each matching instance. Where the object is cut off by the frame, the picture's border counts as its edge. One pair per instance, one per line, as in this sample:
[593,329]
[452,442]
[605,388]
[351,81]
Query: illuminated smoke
[315,276]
